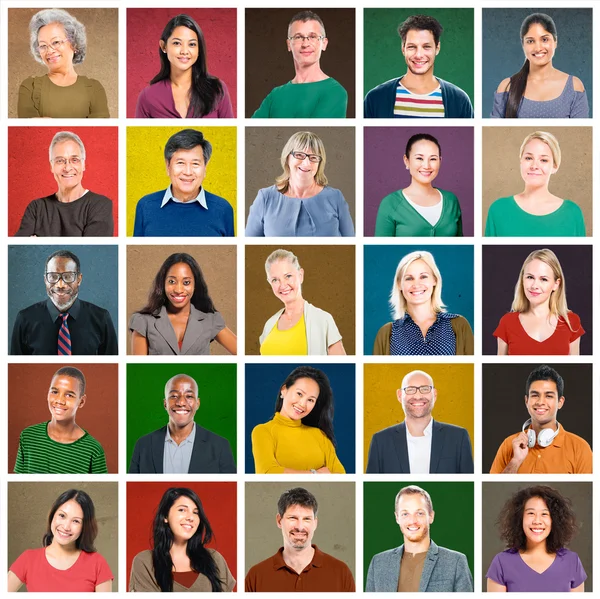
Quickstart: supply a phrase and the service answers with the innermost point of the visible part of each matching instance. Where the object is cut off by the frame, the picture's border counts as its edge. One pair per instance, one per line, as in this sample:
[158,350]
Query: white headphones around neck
[545,437]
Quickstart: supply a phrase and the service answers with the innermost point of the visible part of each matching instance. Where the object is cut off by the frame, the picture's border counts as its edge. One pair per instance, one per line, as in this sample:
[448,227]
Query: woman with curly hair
[537,523]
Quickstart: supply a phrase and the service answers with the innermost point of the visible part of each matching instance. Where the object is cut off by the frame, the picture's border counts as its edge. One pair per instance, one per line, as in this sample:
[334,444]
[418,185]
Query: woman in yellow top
[299,439]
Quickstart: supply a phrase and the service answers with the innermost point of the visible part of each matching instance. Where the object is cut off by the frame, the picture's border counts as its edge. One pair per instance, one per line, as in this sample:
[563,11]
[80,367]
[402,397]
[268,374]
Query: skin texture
[187,170]
[68,177]
[181,403]
[302,182]
[62,294]
[424,166]
[299,399]
[298,525]
[414,520]
[183,519]
[419,50]
[306,55]
[64,400]
[59,62]
[417,407]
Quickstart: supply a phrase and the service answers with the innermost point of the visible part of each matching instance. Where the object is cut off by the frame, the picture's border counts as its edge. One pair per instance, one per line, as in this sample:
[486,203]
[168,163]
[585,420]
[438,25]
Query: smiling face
[181,48]
[543,403]
[417,283]
[424,161]
[286,280]
[60,58]
[417,405]
[537,164]
[182,401]
[298,526]
[183,519]
[64,398]
[539,45]
[67,523]
[306,53]
[539,282]
[179,285]
[62,294]
[187,170]
[413,517]
[419,51]
[67,175]
[537,521]
[299,399]
[303,172]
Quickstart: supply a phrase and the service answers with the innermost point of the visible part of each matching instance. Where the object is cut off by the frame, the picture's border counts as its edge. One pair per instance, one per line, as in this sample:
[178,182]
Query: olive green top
[39,97]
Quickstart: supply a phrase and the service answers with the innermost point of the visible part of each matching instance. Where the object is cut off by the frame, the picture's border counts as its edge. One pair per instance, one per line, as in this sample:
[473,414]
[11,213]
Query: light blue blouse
[275,215]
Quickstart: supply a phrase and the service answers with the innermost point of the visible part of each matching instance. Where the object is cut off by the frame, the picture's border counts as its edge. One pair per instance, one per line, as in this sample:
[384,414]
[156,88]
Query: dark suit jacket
[210,454]
[450,450]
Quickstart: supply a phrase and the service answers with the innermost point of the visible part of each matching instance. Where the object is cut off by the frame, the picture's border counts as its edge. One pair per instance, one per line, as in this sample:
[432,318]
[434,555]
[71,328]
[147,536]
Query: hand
[520,448]
[323,470]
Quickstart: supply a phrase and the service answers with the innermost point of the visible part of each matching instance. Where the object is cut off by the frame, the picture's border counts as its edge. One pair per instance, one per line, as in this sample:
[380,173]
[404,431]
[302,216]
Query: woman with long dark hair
[67,560]
[183,88]
[299,439]
[539,90]
[179,560]
[179,318]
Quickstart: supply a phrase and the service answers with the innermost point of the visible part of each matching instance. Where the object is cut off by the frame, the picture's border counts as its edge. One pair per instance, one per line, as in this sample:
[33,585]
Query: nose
[60,283]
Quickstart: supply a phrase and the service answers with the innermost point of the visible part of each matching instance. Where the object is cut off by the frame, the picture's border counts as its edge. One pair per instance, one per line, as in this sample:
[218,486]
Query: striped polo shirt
[418,105]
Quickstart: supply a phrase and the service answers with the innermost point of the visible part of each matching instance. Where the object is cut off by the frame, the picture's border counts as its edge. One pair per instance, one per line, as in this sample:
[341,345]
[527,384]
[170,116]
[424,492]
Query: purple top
[509,569]
[156,102]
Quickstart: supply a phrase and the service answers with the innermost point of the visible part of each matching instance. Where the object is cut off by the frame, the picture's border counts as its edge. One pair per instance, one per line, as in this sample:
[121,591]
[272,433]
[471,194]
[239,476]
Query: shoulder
[334,84]
[460,323]
[452,429]
[93,442]
[138,318]
[503,87]
[502,204]
[450,554]
[385,556]
[450,88]
[266,566]
[155,197]
[577,440]
[35,429]
[216,201]
[448,195]
[219,559]
[389,432]
[568,555]
[143,440]
[94,558]
[33,309]
[385,330]
[313,312]
[93,308]
[571,206]
[574,320]
[211,437]
[384,87]
[95,198]
[333,562]
[93,83]
[143,558]
[32,82]
[578,84]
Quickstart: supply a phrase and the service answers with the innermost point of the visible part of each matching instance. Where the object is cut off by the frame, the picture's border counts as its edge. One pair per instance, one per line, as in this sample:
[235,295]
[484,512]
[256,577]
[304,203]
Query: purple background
[385,171]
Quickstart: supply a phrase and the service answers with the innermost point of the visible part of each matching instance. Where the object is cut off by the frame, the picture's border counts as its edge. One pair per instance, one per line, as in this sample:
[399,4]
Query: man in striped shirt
[418,93]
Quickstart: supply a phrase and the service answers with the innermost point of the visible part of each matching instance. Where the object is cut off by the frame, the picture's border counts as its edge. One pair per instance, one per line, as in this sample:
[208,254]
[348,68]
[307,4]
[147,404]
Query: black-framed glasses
[422,389]
[313,38]
[67,277]
[303,156]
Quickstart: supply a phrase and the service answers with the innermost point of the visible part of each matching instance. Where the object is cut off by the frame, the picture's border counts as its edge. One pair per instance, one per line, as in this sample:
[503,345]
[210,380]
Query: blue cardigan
[183,220]
[379,102]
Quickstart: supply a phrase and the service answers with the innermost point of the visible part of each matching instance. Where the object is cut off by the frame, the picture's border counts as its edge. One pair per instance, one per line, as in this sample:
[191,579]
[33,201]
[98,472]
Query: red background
[144,28]
[219,501]
[28,386]
[29,146]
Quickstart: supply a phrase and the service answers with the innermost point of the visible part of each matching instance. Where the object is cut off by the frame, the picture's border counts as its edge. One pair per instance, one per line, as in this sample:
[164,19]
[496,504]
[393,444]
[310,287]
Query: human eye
[176,42]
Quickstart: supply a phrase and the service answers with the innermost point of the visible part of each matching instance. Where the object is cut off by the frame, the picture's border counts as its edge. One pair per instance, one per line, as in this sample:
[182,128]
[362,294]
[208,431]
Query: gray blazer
[444,571]
[201,329]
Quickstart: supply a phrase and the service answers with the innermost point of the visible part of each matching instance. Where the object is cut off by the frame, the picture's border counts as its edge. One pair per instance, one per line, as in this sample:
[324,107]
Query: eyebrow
[531,154]
[305,393]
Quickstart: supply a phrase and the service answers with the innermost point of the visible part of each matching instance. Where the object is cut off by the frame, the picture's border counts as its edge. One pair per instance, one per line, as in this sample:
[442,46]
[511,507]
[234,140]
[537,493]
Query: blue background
[263,383]
[455,264]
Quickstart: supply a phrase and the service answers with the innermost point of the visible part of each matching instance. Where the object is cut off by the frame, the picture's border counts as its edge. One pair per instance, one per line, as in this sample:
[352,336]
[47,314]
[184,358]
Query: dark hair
[545,373]
[201,558]
[564,522]
[297,496]
[64,254]
[187,139]
[421,137]
[157,297]
[321,415]
[421,23]
[307,15]
[74,373]
[89,526]
[206,89]
[518,82]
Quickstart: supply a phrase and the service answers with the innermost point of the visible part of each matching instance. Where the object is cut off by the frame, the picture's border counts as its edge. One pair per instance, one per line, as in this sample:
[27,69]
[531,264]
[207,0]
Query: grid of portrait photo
[299,299]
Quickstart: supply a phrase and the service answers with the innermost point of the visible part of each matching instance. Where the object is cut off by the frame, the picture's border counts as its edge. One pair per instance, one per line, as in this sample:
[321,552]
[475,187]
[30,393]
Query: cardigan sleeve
[385,225]
[223,572]
[263,450]
[142,578]
[332,334]
[381,347]
[464,336]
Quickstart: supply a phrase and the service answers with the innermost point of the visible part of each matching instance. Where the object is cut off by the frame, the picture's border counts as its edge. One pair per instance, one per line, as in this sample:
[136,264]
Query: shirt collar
[54,312]
[189,439]
[200,198]
[279,562]
[426,431]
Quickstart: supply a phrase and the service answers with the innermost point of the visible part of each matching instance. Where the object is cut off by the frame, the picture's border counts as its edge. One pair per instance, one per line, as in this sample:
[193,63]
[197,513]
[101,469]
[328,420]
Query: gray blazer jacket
[444,571]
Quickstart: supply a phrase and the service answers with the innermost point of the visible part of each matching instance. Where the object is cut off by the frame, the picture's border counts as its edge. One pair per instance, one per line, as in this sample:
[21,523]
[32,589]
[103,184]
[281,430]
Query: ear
[301,271]
[402,48]
[324,43]
[316,523]
[82,401]
[399,395]
[79,279]
[397,517]
[561,402]
[163,46]
[167,167]
[557,284]
[405,161]
[431,517]
[437,50]
[434,397]
[526,400]
[278,520]
[289,45]
[165,404]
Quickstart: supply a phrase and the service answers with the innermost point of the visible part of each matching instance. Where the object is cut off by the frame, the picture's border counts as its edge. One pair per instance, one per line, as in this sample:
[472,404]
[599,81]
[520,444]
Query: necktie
[64,337]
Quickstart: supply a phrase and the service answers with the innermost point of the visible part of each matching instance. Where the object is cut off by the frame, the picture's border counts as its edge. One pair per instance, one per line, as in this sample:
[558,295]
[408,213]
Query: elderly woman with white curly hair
[58,41]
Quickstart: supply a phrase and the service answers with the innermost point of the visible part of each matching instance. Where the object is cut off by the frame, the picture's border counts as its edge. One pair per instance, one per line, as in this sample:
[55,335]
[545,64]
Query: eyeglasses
[74,160]
[303,156]
[313,38]
[422,389]
[56,45]
[67,277]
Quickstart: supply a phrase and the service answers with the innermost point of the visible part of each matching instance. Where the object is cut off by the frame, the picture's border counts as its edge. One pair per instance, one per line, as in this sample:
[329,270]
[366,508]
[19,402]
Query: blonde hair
[558,298]
[281,255]
[549,140]
[398,301]
[299,142]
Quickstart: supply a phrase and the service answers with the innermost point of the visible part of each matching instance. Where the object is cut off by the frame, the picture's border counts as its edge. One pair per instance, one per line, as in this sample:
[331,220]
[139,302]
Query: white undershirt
[430,213]
[419,450]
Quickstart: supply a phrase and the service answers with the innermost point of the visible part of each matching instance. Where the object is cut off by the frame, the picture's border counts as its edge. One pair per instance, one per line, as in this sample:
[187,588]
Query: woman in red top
[539,322]
[68,561]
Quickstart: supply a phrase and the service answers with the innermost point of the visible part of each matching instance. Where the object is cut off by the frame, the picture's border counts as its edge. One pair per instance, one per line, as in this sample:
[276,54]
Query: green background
[452,528]
[383,57]
[217,385]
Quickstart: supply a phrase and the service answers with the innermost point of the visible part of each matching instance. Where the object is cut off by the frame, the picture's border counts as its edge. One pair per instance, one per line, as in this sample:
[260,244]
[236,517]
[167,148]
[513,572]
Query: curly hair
[74,30]
[421,23]
[564,521]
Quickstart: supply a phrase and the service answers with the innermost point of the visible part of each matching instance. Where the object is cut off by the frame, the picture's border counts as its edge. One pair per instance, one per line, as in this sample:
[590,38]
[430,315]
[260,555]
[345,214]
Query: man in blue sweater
[185,208]
[418,93]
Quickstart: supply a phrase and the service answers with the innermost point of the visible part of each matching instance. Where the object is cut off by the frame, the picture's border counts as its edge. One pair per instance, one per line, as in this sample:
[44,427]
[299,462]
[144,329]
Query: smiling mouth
[178,298]
[298,409]
[181,411]
[413,528]
[64,535]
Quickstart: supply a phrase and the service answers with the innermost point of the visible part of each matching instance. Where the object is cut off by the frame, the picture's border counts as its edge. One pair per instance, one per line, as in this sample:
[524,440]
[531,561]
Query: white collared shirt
[200,198]
[419,450]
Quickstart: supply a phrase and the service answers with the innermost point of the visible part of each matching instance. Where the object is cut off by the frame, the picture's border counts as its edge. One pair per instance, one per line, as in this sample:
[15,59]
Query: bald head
[180,378]
[416,378]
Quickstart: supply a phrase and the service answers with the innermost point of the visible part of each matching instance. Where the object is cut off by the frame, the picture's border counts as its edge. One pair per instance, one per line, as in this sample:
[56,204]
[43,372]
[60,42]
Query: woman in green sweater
[420,210]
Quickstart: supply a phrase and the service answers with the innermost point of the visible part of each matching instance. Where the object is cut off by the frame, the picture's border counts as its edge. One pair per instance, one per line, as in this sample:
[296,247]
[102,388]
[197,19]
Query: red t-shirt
[511,331]
[32,568]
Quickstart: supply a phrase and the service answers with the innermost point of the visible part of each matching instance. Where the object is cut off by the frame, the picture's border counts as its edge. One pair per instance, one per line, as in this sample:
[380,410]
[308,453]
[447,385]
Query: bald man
[182,447]
[420,445]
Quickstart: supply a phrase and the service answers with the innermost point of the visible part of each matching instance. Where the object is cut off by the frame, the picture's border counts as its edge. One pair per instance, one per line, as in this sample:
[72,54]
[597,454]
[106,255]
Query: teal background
[452,528]
[383,57]
[217,385]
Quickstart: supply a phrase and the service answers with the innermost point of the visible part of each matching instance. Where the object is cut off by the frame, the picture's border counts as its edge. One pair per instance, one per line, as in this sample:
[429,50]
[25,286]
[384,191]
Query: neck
[536,548]
[417,426]
[411,80]
[181,78]
[421,312]
[171,309]
[64,550]
[294,307]
[538,193]
[542,311]
[298,559]
[185,197]
[308,74]
[537,427]
[62,427]
[71,194]
[66,72]
[541,72]
[301,189]
[179,434]
[418,188]
[178,547]
[417,546]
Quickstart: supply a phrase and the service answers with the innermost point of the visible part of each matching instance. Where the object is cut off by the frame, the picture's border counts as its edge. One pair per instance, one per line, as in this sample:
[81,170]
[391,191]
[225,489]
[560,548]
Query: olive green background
[452,528]
[146,392]
[383,57]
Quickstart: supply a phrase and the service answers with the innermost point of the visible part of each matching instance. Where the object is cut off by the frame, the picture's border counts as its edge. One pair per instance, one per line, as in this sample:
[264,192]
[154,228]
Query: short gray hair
[281,255]
[66,136]
[74,30]
[414,490]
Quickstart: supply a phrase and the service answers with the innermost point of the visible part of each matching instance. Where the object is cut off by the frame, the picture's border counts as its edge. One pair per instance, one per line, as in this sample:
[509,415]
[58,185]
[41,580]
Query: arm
[255,227]
[99,103]
[100,223]
[20,461]
[142,578]
[370,588]
[28,222]
[138,226]
[385,225]
[226,461]
[134,466]
[332,462]
[346,224]
[495,587]
[99,463]
[25,106]
[228,340]
[490,226]
[139,344]
[459,225]
[373,459]
[502,347]
[466,111]
[14,584]
[579,589]
[18,347]
[580,108]
[349,585]
[264,110]
[520,449]
[104,587]
[466,455]
[141,108]
[574,347]
[465,344]
[225,109]
[109,346]
[263,450]
[463,581]
[585,459]
[332,105]
[337,349]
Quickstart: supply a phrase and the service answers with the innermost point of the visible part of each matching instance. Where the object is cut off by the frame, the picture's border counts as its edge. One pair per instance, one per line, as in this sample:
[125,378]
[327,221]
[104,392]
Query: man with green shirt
[311,93]
[61,446]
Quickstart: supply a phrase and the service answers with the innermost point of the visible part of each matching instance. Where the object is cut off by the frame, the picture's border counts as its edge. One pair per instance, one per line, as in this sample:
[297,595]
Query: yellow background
[147,172]
[455,396]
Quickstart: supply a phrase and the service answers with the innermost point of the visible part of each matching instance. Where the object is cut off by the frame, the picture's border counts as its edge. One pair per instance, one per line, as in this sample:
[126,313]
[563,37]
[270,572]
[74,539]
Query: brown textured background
[99,415]
[101,60]
[329,284]
[263,159]
[28,507]
[502,174]
[218,264]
